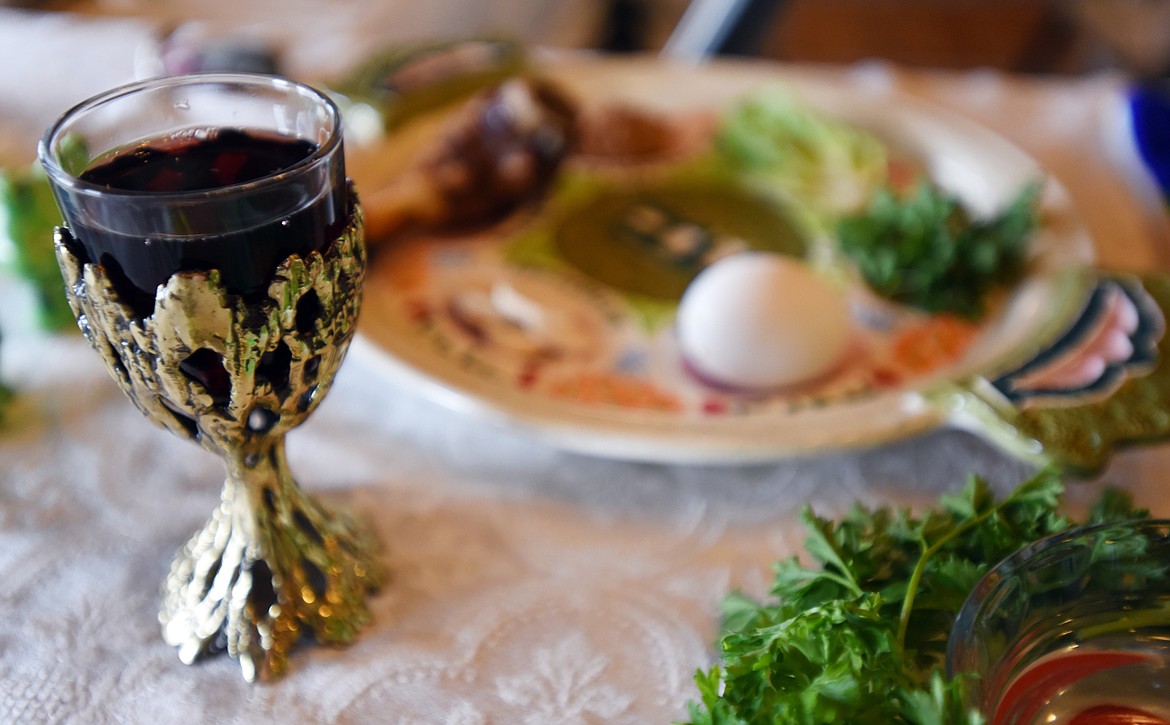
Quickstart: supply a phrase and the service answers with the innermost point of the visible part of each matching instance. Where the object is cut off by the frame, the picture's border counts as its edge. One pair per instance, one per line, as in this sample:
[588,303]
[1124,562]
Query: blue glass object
[1149,107]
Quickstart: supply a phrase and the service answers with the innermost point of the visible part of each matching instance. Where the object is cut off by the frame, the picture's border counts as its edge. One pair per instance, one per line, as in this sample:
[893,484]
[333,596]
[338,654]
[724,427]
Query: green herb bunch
[860,636]
[28,215]
[924,250]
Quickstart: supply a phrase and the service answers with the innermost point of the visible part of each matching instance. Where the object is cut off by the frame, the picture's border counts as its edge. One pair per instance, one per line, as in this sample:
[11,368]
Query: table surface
[528,584]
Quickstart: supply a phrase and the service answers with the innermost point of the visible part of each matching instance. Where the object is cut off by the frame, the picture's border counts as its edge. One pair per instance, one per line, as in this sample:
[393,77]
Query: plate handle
[1103,382]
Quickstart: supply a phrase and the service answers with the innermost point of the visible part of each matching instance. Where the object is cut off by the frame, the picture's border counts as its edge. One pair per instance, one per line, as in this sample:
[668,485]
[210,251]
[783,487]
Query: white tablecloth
[528,585]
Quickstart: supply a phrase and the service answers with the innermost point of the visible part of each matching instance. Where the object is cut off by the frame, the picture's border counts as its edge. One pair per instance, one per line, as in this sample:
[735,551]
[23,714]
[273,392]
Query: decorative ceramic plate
[514,326]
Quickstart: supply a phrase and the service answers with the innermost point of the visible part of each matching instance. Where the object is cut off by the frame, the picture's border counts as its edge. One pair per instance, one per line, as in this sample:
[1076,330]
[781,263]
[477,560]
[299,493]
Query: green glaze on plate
[653,240]
[621,232]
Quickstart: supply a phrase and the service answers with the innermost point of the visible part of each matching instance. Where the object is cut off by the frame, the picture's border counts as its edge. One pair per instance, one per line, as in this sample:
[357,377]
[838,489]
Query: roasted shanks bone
[497,152]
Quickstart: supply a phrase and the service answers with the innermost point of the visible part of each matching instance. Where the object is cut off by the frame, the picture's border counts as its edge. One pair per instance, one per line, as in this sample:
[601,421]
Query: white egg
[761,320]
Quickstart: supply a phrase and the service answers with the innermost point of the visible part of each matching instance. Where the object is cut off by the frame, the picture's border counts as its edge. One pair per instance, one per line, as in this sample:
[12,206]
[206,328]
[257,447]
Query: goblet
[213,254]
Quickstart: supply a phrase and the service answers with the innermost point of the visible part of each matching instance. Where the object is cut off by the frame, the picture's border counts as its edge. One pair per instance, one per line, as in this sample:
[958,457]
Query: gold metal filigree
[271,564]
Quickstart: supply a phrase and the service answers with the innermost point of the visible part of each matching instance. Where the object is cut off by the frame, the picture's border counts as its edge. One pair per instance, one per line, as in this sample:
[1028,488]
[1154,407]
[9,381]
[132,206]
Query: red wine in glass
[203,161]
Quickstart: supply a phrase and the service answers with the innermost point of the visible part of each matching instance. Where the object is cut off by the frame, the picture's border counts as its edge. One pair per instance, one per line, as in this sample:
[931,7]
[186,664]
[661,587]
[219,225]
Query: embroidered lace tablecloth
[528,585]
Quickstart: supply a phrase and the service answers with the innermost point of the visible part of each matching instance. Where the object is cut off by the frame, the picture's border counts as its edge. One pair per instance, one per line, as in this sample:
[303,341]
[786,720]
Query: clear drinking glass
[1072,629]
[213,254]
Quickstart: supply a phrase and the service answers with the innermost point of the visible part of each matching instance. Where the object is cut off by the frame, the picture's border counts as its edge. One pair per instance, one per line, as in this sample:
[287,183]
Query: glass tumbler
[1072,629]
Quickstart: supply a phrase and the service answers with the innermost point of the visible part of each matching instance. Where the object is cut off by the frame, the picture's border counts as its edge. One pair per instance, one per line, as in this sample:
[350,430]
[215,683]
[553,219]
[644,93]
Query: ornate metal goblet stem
[235,375]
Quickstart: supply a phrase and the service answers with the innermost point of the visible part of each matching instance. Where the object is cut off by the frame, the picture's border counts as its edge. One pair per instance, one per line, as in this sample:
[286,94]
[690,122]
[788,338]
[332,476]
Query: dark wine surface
[297,215]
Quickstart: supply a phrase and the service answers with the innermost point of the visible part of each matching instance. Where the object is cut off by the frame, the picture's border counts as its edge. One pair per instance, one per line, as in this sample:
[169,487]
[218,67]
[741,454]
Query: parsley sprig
[924,250]
[860,635]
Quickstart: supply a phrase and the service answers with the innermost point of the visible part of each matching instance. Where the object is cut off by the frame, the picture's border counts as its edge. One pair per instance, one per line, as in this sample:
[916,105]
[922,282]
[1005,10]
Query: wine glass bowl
[224,171]
[223,305]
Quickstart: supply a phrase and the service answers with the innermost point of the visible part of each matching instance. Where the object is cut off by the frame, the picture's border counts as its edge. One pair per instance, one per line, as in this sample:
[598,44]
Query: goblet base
[270,565]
